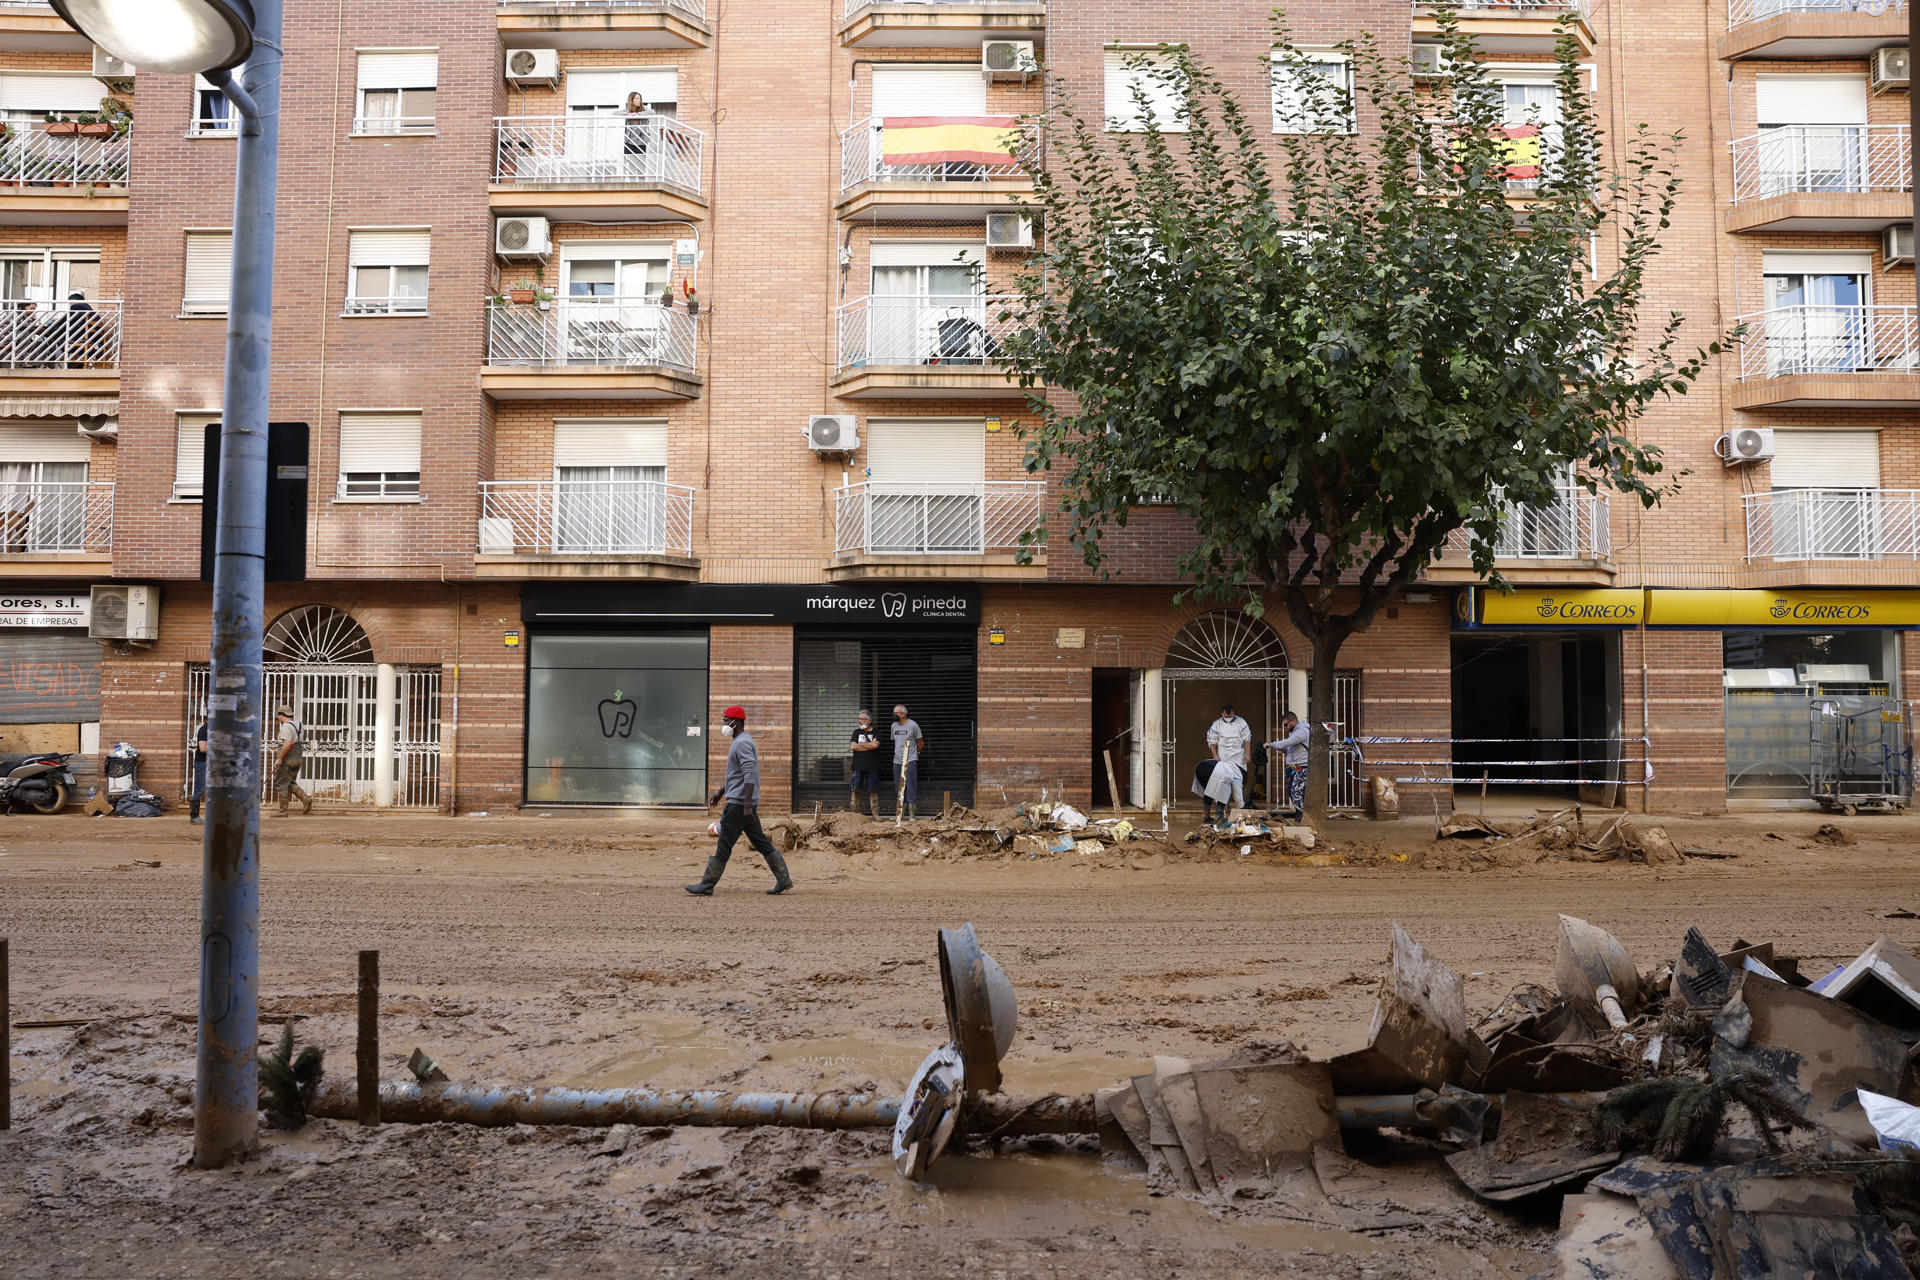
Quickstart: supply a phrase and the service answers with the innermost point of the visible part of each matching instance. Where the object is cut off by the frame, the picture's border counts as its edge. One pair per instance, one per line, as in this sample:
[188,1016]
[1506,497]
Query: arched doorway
[1226,656]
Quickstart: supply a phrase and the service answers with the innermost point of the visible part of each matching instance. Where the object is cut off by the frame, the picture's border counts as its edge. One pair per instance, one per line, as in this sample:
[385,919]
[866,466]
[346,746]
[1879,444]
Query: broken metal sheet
[1182,1103]
[1360,1197]
[1264,1119]
[1541,1146]
[1165,1155]
[1779,1228]
[1557,1068]
[1130,1115]
[1420,1023]
[1608,1237]
[1882,982]
[1116,1143]
[1814,1053]
[1700,977]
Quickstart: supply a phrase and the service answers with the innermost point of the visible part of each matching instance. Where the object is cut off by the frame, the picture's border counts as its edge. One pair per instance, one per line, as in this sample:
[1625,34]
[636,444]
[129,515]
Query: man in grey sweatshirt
[742,814]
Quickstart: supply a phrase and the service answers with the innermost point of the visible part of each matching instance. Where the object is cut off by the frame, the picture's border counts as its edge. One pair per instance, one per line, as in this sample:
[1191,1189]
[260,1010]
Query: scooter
[41,783]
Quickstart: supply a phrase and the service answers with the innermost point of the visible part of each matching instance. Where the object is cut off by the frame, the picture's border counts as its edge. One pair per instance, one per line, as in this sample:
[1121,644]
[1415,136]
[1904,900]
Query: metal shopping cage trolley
[1862,754]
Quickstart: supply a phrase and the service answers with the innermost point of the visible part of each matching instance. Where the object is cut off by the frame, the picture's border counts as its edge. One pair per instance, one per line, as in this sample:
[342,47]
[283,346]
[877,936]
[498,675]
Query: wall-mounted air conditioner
[106,67]
[1892,69]
[99,426]
[533,66]
[1748,444]
[1007,59]
[1429,61]
[1009,231]
[832,433]
[125,613]
[522,237]
[1896,244]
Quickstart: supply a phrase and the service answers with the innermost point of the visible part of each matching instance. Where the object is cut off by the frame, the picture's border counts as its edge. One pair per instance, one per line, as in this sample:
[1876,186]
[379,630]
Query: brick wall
[753,667]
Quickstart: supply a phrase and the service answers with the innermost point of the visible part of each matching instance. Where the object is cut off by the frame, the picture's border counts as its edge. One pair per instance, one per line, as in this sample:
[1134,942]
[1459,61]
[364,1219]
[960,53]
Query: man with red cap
[742,814]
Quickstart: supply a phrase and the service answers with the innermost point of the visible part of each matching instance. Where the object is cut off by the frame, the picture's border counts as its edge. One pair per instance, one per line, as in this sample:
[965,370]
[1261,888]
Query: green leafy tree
[1337,348]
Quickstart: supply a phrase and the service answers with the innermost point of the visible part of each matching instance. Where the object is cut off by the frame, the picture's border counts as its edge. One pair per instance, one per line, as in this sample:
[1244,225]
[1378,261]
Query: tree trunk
[1319,712]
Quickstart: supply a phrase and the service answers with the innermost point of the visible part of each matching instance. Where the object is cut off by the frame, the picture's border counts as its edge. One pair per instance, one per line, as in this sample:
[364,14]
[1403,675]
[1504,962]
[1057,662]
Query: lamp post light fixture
[211,37]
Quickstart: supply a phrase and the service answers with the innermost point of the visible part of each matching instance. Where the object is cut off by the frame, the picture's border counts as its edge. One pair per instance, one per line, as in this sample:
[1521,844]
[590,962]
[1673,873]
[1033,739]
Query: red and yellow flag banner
[907,140]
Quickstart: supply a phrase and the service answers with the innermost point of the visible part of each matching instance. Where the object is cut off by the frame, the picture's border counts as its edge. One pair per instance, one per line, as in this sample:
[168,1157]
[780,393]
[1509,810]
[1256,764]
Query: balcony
[599,167]
[55,525]
[1811,28]
[31,26]
[1511,26]
[1568,541]
[1822,177]
[63,179]
[935,531]
[1859,525]
[940,24]
[586,529]
[64,348]
[914,167]
[1828,357]
[592,348]
[918,345]
[604,24]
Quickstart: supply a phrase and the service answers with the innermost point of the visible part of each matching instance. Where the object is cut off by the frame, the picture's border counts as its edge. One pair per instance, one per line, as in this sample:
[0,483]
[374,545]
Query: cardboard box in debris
[1720,1118]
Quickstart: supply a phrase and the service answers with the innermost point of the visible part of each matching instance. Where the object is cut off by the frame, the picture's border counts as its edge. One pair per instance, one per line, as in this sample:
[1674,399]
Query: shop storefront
[49,673]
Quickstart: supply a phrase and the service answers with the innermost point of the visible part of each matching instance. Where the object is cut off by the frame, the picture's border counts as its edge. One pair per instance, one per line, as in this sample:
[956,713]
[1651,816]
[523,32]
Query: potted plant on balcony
[523,293]
[116,115]
[59,126]
[693,297]
[92,126]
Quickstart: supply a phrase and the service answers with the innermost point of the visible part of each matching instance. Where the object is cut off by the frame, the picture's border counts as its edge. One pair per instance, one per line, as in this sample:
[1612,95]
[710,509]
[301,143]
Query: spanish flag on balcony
[988,140]
[1522,152]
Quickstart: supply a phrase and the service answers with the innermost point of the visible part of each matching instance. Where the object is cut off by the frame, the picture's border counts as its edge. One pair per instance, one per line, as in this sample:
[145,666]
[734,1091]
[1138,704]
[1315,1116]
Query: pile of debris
[1720,1117]
[1566,835]
[1037,830]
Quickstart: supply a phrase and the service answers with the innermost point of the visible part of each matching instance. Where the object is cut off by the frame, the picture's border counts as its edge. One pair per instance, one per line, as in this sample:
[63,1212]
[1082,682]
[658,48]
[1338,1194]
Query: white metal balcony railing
[32,157]
[585,517]
[926,329]
[1740,12]
[855,6]
[1787,341]
[1833,524]
[1822,159]
[938,519]
[633,333]
[597,149]
[950,149]
[692,8]
[397,126]
[59,335]
[1572,527]
[1513,8]
[55,517]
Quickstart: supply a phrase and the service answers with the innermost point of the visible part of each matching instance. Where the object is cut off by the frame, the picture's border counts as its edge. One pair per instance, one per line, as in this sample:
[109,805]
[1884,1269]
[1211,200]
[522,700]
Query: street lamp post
[212,36]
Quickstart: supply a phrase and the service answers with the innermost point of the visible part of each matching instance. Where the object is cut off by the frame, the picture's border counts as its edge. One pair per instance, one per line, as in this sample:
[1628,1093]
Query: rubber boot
[777,864]
[708,879]
[911,813]
[306,801]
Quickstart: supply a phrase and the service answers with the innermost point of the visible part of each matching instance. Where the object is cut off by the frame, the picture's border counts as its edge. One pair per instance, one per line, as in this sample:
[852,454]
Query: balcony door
[1818,318]
[609,481]
[919,93]
[610,303]
[1812,132]
[928,305]
[1825,502]
[43,487]
[604,142]
[926,486]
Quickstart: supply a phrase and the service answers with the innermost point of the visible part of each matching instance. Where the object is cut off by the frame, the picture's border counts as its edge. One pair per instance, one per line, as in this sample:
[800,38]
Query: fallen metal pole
[6,1042]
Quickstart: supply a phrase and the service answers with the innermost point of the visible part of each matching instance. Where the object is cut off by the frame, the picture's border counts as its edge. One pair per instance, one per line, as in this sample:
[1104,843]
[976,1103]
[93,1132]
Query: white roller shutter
[1810,99]
[1816,264]
[609,89]
[396,248]
[400,69]
[1826,460]
[926,253]
[1164,98]
[209,271]
[610,442]
[929,91]
[23,92]
[42,442]
[379,442]
[927,451]
[189,454]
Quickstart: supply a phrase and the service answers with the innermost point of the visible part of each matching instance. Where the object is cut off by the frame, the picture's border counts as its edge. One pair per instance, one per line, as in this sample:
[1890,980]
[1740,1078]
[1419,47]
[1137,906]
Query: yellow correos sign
[1709,610]
[1590,607]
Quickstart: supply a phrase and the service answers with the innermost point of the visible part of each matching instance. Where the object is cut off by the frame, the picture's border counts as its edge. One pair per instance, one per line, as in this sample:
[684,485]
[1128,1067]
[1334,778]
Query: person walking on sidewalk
[908,743]
[742,814]
[1292,746]
[199,773]
[287,761]
[865,745]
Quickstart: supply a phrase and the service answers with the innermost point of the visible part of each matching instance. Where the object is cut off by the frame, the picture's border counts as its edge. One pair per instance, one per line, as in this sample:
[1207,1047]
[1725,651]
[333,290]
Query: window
[380,455]
[610,491]
[1313,95]
[606,142]
[189,455]
[395,93]
[43,487]
[1817,318]
[927,305]
[26,98]
[1825,501]
[213,115]
[1151,73]
[209,273]
[927,485]
[1813,134]
[387,272]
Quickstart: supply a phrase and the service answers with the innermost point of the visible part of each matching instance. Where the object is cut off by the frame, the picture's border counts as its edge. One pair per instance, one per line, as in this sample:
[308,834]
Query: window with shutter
[1311,96]
[929,91]
[209,273]
[396,91]
[1134,71]
[379,455]
[27,98]
[387,271]
[928,485]
[189,455]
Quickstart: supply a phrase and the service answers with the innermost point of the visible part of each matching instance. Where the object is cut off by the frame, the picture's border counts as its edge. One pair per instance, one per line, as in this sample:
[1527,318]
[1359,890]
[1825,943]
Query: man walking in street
[742,814]
[865,746]
[1232,743]
[1292,747]
[908,743]
[287,761]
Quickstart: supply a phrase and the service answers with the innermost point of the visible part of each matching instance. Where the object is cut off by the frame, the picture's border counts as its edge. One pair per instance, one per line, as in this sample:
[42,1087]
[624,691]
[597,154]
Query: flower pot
[63,129]
[521,297]
[96,131]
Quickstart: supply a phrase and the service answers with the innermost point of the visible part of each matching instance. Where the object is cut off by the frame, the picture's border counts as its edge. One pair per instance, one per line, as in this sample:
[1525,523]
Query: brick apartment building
[560,362]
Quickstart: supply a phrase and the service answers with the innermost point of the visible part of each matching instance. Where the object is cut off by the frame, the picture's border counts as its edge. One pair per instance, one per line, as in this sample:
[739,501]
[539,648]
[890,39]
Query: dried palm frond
[1679,1118]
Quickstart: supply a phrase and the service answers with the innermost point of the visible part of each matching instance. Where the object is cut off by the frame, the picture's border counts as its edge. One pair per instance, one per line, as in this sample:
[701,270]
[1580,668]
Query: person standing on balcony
[1231,740]
[866,761]
[908,743]
[742,814]
[634,142]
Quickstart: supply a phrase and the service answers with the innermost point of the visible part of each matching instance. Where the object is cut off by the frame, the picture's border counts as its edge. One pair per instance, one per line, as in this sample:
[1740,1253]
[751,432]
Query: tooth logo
[894,604]
[616,716]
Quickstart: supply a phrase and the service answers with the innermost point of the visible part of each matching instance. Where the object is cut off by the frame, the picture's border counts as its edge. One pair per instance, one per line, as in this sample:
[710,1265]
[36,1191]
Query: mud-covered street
[563,951]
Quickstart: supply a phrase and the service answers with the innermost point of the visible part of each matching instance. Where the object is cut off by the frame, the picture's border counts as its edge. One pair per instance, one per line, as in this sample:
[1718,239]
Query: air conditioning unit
[125,613]
[496,536]
[1748,444]
[832,433]
[1892,69]
[533,66]
[1009,231]
[1005,59]
[99,426]
[1429,61]
[1896,244]
[521,237]
[116,74]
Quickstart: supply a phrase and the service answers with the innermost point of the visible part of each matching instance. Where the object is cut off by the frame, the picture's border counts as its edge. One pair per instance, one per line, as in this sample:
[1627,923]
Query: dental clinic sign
[892,606]
[45,610]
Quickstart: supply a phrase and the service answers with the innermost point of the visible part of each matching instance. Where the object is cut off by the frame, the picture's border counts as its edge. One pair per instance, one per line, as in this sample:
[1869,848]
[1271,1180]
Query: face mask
[726,731]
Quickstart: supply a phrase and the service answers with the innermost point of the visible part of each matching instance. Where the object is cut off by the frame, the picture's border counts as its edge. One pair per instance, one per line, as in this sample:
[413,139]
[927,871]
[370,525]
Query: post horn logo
[1547,606]
[894,604]
[1780,609]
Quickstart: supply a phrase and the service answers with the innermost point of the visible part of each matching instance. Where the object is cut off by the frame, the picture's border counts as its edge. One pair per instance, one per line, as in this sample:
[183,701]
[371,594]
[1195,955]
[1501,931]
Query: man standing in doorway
[742,814]
[287,761]
[865,745]
[908,743]
[1292,746]
[1231,739]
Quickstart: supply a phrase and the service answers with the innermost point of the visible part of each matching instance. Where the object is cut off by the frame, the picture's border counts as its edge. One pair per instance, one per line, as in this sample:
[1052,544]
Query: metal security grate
[836,674]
